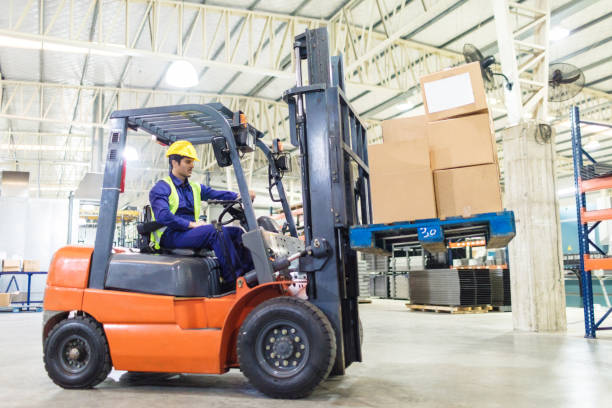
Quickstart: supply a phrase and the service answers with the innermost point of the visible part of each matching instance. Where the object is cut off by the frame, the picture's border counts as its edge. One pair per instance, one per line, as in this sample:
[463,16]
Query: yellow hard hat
[183,148]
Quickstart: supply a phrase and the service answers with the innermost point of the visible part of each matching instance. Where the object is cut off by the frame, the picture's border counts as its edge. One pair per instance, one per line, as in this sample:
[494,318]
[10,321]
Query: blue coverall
[179,235]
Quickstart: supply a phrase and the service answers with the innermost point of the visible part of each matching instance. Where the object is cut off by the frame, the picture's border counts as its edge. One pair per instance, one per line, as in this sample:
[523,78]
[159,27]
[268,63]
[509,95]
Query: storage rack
[28,304]
[593,177]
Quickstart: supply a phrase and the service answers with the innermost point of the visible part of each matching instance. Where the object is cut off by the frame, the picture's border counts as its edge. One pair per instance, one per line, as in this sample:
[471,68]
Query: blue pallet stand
[433,234]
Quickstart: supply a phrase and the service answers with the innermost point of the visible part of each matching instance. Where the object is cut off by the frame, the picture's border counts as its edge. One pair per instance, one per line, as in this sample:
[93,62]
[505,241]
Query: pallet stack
[450,287]
[400,286]
[364,278]
[500,287]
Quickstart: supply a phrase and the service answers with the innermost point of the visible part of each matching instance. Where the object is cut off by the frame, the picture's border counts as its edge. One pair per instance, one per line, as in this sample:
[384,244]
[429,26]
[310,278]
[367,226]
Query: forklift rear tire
[286,347]
[76,353]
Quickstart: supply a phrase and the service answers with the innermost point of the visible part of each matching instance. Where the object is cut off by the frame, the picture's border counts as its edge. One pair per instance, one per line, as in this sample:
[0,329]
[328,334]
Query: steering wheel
[231,207]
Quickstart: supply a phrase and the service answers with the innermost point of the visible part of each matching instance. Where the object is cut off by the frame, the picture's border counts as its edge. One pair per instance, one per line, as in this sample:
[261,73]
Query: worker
[176,201]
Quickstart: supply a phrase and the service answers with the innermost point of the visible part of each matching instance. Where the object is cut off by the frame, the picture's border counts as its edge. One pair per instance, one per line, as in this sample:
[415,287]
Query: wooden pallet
[450,309]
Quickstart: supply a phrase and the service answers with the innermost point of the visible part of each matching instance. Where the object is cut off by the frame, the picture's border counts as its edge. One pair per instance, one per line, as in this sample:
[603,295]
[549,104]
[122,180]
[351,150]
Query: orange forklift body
[156,333]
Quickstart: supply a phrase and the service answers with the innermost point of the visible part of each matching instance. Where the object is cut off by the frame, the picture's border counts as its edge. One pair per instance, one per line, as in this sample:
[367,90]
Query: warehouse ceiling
[67,64]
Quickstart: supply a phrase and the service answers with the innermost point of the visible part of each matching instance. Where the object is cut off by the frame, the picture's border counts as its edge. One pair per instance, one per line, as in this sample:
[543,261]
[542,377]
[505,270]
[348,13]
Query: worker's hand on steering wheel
[251,195]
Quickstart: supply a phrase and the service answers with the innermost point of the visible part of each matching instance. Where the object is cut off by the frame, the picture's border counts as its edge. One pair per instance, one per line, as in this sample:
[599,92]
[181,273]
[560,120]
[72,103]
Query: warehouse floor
[411,359]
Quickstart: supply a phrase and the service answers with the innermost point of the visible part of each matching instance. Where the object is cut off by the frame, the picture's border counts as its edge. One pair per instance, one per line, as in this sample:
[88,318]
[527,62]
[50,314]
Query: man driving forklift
[175,201]
[165,312]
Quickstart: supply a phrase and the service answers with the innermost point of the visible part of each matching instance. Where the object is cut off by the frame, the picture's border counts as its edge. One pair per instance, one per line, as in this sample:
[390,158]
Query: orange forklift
[161,310]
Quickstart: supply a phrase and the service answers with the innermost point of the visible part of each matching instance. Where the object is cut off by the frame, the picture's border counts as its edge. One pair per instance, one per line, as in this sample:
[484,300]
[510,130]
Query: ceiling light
[593,144]
[34,44]
[182,74]
[558,33]
[130,154]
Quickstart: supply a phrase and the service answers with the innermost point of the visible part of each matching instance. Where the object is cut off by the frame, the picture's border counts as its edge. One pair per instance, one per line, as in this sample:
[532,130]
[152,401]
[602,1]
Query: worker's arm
[211,194]
[158,197]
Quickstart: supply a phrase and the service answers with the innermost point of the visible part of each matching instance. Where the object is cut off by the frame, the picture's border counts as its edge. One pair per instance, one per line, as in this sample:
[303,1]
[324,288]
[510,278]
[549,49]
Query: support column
[538,289]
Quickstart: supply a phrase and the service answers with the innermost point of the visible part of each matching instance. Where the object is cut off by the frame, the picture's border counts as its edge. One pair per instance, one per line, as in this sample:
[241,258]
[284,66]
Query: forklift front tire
[286,347]
[76,353]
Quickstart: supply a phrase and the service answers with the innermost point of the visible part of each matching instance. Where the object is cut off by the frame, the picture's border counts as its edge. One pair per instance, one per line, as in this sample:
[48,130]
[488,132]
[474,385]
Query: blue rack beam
[583,218]
[434,234]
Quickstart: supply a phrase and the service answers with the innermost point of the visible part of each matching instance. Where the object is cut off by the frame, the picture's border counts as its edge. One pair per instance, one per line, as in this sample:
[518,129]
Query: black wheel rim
[74,354]
[282,348]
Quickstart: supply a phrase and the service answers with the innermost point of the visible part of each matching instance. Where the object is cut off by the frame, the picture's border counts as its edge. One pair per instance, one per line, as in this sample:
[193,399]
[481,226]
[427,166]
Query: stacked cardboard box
[31,266]
[441,164]
[400,174]
[11,265]
[462,142]
[5,299]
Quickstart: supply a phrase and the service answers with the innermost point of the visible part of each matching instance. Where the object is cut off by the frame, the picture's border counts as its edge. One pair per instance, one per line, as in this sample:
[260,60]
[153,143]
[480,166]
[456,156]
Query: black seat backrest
[145,228]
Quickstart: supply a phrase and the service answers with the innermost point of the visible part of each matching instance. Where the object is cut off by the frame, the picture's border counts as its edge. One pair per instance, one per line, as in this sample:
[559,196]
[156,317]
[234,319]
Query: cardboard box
[404,129]
[31,266]
[401,182]
[11,265]
[461,142]
[467,191]
[5,299]
[453,92]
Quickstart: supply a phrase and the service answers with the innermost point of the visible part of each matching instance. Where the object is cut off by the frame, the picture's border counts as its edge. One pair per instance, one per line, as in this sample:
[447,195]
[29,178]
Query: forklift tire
[286,347]
[76,353]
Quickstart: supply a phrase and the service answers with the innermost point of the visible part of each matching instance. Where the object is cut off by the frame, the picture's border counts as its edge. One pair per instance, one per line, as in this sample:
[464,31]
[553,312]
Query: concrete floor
[411,359]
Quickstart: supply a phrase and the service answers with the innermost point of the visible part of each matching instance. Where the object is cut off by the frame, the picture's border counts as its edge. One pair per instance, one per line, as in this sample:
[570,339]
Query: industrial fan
[543,133]
[564,82]
[472,54]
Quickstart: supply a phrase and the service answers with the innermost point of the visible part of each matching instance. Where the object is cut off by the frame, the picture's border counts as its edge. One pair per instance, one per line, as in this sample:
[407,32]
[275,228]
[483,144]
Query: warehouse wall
[32,228]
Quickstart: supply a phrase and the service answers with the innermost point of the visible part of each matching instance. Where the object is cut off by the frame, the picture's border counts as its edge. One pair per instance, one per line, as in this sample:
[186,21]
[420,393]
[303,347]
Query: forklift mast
[335,186]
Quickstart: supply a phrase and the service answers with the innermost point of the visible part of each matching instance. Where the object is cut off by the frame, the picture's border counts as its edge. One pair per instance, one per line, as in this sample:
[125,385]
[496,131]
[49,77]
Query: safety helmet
[183,148]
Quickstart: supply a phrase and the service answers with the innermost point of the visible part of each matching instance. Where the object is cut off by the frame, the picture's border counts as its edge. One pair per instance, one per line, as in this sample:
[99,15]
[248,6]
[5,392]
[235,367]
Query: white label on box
[449,93]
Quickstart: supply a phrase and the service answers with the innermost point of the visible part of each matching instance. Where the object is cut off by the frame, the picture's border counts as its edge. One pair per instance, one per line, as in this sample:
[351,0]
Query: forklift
[166,311]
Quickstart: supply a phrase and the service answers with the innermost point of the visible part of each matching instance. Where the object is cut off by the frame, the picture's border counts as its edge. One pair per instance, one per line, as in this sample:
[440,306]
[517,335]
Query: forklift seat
[183,276]
[146,227]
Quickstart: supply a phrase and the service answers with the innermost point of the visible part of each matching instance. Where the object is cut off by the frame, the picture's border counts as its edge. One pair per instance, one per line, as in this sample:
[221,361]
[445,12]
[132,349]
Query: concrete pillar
[538,289]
